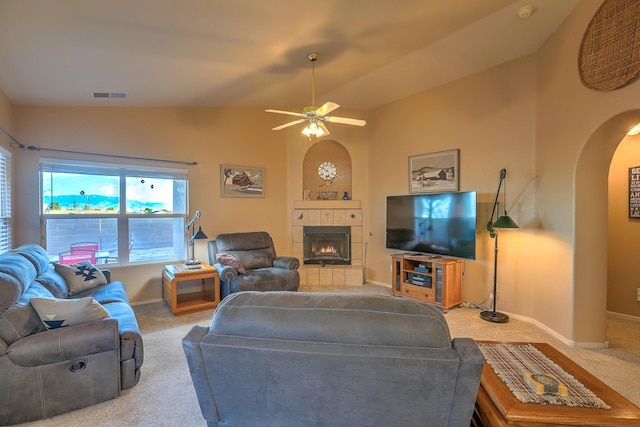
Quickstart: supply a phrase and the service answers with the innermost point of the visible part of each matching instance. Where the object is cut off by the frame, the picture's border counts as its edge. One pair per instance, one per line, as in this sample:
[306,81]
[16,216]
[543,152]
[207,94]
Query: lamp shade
[505,221]
[199,234]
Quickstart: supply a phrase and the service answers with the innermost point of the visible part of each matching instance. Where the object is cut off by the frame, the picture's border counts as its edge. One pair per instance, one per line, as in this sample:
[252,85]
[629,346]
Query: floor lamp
[194,235]
[503,222]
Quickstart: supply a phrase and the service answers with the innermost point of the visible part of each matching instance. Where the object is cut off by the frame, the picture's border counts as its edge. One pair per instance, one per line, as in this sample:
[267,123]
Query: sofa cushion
[57,313]
[228,259]
[21,320]
[105,294]
[266,279]
[80,276]
[16,274]
[35,254]
[54,283]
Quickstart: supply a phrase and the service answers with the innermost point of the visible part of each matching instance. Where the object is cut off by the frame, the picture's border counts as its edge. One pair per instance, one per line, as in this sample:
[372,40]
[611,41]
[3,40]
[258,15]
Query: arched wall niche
[590,235]
[321,152]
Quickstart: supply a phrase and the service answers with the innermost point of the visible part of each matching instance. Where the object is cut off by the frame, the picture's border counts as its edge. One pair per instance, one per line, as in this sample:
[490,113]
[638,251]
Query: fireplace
[327,245]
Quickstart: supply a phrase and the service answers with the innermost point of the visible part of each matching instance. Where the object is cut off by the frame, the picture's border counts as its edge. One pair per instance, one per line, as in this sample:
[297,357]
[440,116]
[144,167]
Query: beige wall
[210,136]
[577,130]
[623,233]
[489,117]
[6,116]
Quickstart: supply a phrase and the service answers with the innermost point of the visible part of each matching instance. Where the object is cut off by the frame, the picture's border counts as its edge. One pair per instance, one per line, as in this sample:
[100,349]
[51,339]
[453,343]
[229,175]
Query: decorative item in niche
[609,55]
[434,172]
[634,192]
[241,181]
[327,171]
[327,195]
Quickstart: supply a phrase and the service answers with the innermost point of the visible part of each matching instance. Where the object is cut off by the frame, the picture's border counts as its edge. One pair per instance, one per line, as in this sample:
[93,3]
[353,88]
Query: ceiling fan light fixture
[312,129]
[316,116]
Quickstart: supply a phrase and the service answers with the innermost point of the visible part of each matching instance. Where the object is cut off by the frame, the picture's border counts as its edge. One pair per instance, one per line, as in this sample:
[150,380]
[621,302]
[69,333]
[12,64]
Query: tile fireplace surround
[327,213]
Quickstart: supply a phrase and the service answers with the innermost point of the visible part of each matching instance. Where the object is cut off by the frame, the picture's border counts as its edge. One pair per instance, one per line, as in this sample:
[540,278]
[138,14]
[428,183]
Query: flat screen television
[433,223]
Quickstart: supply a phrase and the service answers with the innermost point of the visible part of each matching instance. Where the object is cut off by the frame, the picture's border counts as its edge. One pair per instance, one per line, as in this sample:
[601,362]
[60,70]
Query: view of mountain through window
[126,214]
[79,193]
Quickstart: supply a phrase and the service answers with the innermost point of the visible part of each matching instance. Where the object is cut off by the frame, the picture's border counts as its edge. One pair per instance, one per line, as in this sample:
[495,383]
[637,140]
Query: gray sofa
[46,372]
[311,359]
[264,270]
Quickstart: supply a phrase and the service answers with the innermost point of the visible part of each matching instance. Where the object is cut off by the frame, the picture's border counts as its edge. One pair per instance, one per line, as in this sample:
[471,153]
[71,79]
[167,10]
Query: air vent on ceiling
[120,95]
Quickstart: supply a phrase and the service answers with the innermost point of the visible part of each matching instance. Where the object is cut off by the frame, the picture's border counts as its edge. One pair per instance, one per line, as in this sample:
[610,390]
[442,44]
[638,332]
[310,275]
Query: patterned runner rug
[511,361]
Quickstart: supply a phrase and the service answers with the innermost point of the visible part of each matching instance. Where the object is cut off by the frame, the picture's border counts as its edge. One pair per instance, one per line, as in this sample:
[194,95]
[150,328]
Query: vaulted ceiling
[254,53]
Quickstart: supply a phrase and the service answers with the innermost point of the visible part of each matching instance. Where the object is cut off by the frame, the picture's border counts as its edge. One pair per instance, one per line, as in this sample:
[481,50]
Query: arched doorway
[590,233]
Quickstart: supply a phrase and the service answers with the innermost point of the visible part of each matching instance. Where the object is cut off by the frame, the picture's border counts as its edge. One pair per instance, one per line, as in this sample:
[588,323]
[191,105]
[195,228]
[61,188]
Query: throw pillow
[57,313]
[80,276]
[228,259]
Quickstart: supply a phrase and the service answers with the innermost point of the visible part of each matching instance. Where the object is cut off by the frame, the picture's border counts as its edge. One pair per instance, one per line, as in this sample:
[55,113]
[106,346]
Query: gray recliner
[265,271]
[312,359]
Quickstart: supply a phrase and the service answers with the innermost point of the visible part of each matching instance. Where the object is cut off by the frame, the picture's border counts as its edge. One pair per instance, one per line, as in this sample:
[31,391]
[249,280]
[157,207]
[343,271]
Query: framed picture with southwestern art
[241,181]
[431,172]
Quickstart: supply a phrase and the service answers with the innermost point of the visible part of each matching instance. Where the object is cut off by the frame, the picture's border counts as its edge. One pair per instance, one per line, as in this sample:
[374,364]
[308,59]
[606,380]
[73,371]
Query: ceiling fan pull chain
[313,58]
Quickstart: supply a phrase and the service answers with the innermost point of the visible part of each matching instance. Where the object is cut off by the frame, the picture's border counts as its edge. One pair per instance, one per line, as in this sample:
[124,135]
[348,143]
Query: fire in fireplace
[327,245]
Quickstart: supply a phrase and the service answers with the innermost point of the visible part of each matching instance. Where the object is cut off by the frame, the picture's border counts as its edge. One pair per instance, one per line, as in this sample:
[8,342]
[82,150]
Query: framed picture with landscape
[433,172]
[241,181]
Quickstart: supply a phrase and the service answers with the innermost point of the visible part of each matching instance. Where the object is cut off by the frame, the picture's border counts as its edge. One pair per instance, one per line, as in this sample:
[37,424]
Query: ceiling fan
[316,116]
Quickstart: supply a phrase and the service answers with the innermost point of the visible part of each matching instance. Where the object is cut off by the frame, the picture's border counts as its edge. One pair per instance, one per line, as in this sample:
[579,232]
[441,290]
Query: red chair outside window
[72,257]
[83,246]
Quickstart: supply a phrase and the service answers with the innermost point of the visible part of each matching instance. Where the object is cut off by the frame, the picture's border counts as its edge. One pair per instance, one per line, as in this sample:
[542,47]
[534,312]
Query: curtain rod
[34,148]
[6,132]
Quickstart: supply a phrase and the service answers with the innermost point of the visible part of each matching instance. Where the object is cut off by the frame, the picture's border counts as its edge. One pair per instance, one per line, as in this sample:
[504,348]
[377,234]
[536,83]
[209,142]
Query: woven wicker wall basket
[610,51]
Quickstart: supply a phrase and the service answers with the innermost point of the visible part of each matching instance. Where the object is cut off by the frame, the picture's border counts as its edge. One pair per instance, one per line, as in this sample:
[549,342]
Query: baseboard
[373,282]
[150,301]
[548,330]
[623,316]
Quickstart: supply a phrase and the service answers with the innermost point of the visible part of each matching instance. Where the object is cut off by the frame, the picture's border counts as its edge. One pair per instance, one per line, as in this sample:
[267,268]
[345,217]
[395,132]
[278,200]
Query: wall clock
[327,171]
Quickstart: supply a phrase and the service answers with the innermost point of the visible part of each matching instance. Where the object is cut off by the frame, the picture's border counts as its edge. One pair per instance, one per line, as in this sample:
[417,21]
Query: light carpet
[165,395]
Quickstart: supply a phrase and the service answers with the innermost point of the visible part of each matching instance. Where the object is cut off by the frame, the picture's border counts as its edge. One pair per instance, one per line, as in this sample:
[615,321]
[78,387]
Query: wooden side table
[182,303]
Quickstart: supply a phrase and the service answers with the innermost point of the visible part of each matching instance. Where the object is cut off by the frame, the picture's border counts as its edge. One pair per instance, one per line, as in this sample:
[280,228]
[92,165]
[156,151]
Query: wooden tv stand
[432,279]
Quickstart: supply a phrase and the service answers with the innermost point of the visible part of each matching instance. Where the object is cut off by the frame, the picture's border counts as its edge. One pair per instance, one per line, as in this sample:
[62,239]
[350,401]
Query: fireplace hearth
[327,245]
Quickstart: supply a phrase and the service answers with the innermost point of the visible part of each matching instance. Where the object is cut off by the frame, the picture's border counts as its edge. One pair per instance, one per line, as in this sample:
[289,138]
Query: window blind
[5,201]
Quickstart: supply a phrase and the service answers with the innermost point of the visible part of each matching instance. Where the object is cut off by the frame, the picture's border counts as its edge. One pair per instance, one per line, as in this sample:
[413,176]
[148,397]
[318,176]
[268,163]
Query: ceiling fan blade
[290,113]
[327,108]
[324,129]
[346,121]
[286,125]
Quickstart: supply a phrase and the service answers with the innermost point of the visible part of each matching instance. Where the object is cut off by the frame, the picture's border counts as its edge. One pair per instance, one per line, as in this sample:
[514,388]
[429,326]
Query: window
[5,201]
[124,214]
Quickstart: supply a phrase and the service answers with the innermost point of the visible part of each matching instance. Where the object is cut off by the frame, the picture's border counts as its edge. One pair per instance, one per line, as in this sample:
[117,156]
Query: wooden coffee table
[497,406]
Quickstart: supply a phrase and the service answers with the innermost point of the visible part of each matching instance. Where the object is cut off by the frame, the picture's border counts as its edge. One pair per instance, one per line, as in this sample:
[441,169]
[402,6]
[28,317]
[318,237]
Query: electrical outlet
[638,294]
